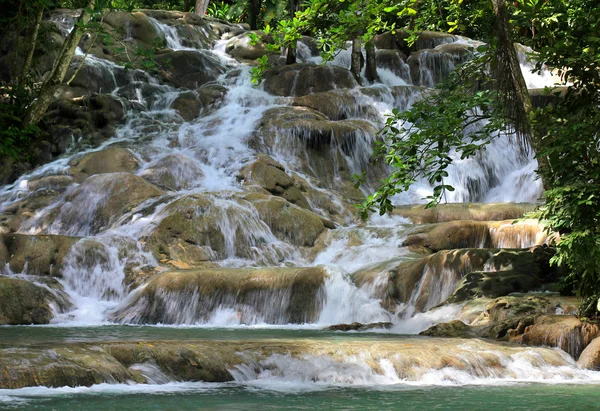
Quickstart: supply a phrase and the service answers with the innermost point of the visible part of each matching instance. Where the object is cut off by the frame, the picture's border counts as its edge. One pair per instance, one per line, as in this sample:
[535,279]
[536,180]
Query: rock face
[174,172]
[36,254]
[302,79]
[110,160]
[189,69]
[22,302]
[464,211]
[271,176]
[103,198]
[215,361]
[590,357]
[566,332]
[477,234]
[275,295]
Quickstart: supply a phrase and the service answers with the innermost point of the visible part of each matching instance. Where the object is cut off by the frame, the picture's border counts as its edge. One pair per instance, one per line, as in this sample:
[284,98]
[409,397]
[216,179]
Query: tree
[201,7]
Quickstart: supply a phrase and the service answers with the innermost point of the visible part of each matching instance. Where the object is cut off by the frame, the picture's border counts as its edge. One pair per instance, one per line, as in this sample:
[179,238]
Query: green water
[515,397]
[16,336]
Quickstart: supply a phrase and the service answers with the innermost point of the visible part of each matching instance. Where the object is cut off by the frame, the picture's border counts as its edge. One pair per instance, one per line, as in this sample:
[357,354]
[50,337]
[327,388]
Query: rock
[590,356]
[320,148]
[542,97]
[477,234]
[464,211]
[17,213]
[494,284]
[88,120]
[240,48]
[564,331]
[359,326]
[338,104]
[271,176]
[188,69]
[38,254]
[287,221]
[429,67]
[174,172]
[113,159]
[394,61]
[85,364]
[22,302]
[302,79]
[452,329]
[136,25]
[385,41]
[187,105]
[276,295]
[102,199]
[190,104]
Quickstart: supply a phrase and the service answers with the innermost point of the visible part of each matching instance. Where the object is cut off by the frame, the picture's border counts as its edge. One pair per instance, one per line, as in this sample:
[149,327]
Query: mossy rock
[302,79]
[38,254]
[22,302]
[452,329]
[110,160]
[464,211]
[189,296]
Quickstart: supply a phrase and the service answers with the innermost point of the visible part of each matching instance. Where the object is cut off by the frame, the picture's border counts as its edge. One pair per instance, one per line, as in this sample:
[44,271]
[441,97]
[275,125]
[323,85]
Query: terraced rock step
[405,359]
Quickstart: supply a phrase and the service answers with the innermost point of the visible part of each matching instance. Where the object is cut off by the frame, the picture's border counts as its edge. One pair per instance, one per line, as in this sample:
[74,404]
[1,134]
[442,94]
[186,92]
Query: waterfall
[190,168]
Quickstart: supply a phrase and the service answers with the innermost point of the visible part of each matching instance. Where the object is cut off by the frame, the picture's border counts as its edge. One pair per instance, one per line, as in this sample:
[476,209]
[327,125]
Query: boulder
[359,326]
[394,61]
[102,199]
[302,79]
[566,332]
[271,176]
[23,302]
[276,295]
[338,104]
[289,222]
[590,356]
[190,104]
[188,69]
[429,67]
[42,255]
[452,329]
[113,159]
[174,172]
[240,48]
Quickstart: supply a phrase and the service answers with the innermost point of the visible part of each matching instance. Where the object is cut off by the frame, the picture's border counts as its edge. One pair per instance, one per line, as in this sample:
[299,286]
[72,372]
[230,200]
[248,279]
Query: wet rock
[174,172]
[330,151]
[590,357]
[287,221]
[22,302]
[302,79]
[541,97]
[136,25]
[240,48]
[276,295]
[80,364]
[188,69]
[17,213]
[395,61]
[190,105]
[563,331]
[477,234]
[464,211]
[271,176]
[359,326]
[82,122]
[38,254]
[452,329]
[338,104]
[110,160]
[429,67]
[102,199]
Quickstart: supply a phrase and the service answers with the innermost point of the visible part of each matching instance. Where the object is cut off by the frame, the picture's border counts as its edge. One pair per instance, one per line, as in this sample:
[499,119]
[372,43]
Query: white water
[209,152]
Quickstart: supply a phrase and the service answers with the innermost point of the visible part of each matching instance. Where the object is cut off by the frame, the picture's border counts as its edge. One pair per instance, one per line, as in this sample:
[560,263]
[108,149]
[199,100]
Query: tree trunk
[290,57]
[32,43]
[201,7]
[371,68]
[356,59]
[187,5]
[60,68]
[513,88]
[255,6]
